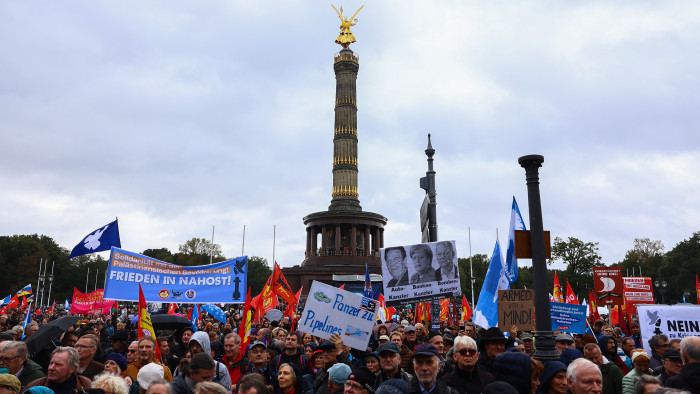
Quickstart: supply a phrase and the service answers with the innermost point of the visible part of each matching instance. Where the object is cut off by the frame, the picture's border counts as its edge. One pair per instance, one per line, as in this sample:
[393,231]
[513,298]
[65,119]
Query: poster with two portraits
[420,273]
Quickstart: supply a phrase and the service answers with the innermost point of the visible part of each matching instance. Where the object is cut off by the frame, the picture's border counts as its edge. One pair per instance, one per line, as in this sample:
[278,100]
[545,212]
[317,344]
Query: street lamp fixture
[661,287]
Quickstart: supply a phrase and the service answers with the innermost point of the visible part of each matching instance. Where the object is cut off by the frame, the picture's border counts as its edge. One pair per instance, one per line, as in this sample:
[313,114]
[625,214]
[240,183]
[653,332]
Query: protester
[672,365]
[233,358]
[13,356]
[61,377]
[288,380]
[646,384]
[389,363]
[491,345]
[584,377]
[161,386]
[467,376]
[110,384]
[177,352]
[360,382]
[658,345]
[333,351]
[518,370]
[372,362]
[252,384]
[200,369]
[256,355]
[689,377]
[640,361]
[612,375]
[10,383]
[553,380]
[292,354]
[608,348]
[146,355]
[87,347]
[199,343]
[337,375]
[564,341]
[426,364]
[147,374]
[116,364]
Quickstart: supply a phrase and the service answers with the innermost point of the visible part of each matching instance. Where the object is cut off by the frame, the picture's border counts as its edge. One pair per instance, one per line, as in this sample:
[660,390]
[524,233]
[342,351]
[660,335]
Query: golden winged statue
[346,37]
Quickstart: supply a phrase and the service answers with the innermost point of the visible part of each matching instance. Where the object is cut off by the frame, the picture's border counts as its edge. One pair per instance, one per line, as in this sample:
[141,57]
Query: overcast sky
[176,116]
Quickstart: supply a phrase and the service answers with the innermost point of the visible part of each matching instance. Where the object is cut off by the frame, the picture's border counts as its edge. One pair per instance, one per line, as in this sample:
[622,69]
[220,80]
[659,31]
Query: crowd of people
[103,355]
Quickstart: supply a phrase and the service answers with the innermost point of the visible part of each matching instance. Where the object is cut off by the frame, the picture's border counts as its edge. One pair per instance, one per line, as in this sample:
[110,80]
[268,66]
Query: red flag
[592,307]
[466,310]
[444,309]
[291,308]
[246,322]
[14,301]
[52,308]
[697,288]
[615,315]
[342,287]
[280,285]
[570,295]
[145,327]
[556,293]
[173,308]
[24,303]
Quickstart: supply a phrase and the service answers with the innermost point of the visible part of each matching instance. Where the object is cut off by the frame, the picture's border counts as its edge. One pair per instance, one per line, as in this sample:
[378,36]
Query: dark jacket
[93,369]
[75,382]
[612,378]
[688,379]
[179,385]
[401,374]
[514,368]
[440,388]
[298,359]
[32,371]
[468,382]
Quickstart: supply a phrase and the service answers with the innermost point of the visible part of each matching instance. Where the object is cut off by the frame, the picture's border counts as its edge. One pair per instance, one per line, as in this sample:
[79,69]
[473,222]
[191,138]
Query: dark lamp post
[544,337]
[661,287]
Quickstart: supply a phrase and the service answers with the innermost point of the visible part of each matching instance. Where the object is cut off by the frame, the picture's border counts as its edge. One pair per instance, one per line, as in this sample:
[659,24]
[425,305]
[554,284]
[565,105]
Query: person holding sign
[395,258]
[422,257]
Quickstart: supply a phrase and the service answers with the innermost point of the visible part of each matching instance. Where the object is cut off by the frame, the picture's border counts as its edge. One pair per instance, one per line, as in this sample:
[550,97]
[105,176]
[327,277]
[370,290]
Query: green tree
[162,254]
[258,272]
[197,251]
[646,255]
[679,268]
[580,257]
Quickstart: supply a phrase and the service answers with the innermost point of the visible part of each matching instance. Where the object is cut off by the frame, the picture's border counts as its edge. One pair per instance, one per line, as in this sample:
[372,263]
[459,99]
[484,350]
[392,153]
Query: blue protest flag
[98,241]
[486,312]
[516,223]
[66,306]
[215,311]
[5,300]
[368,284]
[195,317]
[27,320]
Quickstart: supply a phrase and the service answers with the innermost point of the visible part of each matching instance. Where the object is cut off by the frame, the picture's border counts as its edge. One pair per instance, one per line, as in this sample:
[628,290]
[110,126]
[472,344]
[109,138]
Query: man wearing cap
[672,365]
[148,374]
[13,356]
[467,376]
[337,375]
[389,364]
[146,355]
[119,341]
[491,345]
[410,339]
[9,382]
[564,341]
[529,343]
[256,353]
[689,377]
[87,347]
[62,378]
[426,364]
[360,382]
[333,350]
[612,375]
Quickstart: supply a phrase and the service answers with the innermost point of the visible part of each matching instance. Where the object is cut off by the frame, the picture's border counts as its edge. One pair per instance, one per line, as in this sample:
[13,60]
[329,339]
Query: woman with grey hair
[110,384]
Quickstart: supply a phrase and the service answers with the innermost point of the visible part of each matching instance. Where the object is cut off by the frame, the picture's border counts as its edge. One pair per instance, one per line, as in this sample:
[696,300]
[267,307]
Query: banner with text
[330,310]
[90,303]
[569,318]
[637,291]
[432,273]
[677,321]
[224,282]
[608,285]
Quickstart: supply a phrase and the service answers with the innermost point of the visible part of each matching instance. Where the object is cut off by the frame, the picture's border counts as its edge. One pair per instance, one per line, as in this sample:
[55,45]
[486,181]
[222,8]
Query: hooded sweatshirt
[515,369]
[613,357]
[222,376]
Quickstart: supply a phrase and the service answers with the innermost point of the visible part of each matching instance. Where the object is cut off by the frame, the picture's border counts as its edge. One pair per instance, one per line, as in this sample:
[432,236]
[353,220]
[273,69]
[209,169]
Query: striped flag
[26,290]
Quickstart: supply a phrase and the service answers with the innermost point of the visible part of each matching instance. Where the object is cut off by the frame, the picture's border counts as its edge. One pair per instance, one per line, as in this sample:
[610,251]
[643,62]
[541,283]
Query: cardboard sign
[569,318]
[516,307]
[330,310]
[637,291]
[608,285]
[420,273]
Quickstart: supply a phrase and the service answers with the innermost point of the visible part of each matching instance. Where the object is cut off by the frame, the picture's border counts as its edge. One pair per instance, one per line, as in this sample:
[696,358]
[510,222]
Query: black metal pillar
[544,337]
[427,183]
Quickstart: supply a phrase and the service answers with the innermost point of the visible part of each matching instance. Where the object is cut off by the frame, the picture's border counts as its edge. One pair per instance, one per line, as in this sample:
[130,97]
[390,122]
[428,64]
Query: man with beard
[608,347]
[146,355]
[467,377]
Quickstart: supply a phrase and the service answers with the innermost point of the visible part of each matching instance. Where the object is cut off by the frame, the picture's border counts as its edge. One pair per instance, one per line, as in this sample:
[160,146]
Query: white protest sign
[674,321]
[330,310]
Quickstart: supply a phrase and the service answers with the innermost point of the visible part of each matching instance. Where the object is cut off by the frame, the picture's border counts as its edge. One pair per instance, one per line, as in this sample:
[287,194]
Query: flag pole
[471,267]
[211,247]
[274,235]
[43,281]
[48,299]
[96,274]
[41,260]
[243,244]
[87,280]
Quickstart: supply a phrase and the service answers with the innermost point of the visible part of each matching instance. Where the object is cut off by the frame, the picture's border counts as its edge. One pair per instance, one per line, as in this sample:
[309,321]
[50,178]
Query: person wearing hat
[148,374]
[178,351]
[608,348]
[564,341]
[612,375]
[256,353]
[389,364]
[115,364]
[61,377]
[689,377]
[467,376]
[672,365]
[640,361]
[120,342]
[337,375]
[491,345]
[9,382]
[371,360]
[199,343]
[553,380]
[426,364]
[410,337]
[360,381]
[13,356]
[333,350]
[528,343]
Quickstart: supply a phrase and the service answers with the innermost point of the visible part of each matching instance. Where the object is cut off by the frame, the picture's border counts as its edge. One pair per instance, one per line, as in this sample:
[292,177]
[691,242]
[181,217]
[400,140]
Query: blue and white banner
[330,310]
[569,318]
[516,223]
[486,311]
[674,321]
[224,282]
[99,240]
